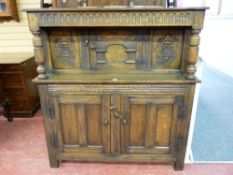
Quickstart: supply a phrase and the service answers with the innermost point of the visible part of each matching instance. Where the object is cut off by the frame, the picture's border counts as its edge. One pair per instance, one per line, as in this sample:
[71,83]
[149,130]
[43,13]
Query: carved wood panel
[167,49]
[115,49]
[120,49]
[65,49]
[115,18]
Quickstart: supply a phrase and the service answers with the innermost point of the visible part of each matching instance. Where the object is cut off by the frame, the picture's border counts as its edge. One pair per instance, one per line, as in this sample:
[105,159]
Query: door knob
[106,121]
[125,121]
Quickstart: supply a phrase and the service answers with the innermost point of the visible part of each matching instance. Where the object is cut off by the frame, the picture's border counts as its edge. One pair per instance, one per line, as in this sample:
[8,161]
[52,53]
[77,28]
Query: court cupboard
[116,81]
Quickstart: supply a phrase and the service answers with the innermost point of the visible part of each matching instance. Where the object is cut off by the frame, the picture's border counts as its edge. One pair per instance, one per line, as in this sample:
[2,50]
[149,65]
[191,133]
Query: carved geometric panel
[167,52]
[65,49]
[167,47]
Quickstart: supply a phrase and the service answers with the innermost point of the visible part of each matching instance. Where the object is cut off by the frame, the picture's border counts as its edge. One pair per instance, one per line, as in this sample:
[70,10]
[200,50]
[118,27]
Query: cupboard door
[85,123]
[148,124]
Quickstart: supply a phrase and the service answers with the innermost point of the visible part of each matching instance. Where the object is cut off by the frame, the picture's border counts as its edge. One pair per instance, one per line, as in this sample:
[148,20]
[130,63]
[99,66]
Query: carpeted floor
[213,133]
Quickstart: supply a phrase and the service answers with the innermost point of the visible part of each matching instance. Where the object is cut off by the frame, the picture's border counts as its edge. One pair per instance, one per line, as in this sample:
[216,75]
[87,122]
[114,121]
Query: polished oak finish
[16,72]
[8,10]
[116,83]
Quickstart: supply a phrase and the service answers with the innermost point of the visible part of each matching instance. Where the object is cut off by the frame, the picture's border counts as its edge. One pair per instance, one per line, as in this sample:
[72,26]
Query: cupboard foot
[54,163]
[179,166]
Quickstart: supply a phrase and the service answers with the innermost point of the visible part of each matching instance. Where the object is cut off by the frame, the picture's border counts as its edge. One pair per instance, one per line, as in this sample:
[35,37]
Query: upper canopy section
[116,17]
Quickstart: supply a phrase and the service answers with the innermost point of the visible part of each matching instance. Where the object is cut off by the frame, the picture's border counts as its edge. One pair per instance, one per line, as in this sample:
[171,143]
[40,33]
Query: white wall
[216,46]
[15,36]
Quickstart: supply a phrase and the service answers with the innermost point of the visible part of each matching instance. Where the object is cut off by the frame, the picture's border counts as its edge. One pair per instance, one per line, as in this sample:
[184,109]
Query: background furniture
[16,73]
[8,10]
[1,99]
[116,83]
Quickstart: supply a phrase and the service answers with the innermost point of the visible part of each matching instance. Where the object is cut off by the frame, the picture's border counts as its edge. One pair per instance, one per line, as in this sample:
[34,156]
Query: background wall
[216,43]
[15,36]
[216,37]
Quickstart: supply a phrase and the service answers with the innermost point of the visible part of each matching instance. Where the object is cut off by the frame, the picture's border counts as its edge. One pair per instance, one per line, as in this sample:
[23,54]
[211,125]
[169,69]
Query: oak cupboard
[116,83]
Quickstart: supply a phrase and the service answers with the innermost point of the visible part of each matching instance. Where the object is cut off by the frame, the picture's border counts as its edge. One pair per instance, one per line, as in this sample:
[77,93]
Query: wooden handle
[113,107]
[117,115]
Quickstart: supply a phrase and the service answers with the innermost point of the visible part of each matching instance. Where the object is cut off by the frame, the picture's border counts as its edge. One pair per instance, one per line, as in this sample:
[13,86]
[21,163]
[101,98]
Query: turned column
[193,54]
[39,54]
[33,22]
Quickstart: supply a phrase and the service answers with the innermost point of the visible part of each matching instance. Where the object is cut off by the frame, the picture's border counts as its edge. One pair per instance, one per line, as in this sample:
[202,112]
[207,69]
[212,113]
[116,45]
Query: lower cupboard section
[135,127]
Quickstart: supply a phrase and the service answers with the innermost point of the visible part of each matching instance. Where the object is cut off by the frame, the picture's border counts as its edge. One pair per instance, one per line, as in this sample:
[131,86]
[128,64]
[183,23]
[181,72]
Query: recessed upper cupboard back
[77,3]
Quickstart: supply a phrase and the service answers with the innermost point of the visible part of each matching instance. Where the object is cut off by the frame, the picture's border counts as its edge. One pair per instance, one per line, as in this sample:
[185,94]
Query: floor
[213,138]
[23,152]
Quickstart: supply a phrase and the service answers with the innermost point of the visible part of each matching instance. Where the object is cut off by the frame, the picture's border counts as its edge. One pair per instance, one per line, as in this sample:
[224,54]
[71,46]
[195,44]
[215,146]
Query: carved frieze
[53,89]
[115,18]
